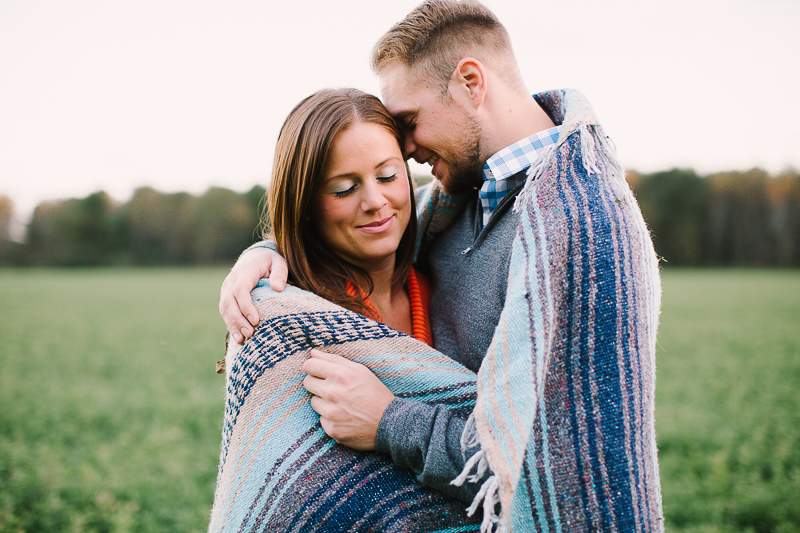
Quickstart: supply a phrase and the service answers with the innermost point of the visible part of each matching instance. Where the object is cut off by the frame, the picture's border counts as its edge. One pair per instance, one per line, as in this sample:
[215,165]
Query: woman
[342,213]
[342,209]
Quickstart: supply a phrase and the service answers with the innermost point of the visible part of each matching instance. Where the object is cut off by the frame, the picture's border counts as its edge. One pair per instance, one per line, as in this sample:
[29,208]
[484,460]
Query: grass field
[110,410]
[728,400]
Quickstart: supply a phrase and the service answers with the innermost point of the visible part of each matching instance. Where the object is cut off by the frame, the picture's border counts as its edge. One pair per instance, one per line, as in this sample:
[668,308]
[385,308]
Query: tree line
[152,228]
[726,219]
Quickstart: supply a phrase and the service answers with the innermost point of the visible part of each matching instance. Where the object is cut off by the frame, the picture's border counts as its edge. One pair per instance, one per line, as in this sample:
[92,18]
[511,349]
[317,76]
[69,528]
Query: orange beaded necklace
[419,294]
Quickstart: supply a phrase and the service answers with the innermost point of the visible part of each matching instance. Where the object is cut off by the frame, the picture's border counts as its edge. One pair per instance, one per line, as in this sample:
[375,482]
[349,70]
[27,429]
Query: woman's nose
[373,198]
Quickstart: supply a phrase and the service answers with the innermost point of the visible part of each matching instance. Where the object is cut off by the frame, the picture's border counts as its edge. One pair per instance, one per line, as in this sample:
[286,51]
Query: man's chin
[460,184]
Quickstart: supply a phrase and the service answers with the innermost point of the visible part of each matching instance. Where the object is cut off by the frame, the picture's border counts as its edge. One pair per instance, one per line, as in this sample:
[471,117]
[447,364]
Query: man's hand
[235,302]
[349,398]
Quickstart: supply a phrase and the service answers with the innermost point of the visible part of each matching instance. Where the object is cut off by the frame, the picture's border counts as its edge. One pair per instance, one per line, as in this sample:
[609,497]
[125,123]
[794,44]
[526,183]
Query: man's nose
[409,146]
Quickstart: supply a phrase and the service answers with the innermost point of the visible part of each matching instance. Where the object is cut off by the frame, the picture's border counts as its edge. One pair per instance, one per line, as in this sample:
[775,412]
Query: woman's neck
[391,303]
[382,290]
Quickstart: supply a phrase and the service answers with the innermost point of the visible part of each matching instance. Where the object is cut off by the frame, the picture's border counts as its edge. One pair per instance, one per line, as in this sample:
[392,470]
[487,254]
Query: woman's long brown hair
[301,156]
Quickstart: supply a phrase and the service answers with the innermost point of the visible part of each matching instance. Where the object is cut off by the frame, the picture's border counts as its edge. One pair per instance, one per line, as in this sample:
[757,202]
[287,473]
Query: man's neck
[514,119]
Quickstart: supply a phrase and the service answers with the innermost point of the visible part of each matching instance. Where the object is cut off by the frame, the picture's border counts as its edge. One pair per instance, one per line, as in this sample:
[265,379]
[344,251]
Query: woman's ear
[469,82]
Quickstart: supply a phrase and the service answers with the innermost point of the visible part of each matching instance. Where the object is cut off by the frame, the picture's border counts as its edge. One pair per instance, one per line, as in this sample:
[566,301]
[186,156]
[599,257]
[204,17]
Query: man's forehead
[396,89]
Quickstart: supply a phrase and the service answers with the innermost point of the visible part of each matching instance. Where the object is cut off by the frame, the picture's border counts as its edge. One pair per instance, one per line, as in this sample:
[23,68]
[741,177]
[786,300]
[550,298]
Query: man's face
[439,131]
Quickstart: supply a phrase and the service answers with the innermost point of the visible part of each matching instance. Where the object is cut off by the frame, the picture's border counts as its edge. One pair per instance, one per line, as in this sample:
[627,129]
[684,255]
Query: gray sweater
[468,269]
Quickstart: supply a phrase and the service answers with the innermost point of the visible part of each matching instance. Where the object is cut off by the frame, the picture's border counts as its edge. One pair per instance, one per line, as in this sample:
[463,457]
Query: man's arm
[357,410]
[426,439]
[235,303]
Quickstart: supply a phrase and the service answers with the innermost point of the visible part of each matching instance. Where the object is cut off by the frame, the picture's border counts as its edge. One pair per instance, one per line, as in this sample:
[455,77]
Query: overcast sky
[184,94]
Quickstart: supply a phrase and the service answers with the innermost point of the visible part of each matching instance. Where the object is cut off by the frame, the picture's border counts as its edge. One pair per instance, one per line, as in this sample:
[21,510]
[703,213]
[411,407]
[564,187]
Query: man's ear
[469,81]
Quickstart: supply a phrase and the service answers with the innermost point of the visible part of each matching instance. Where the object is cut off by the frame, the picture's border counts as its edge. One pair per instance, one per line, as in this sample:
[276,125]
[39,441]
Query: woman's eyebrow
[379,165]
[354,174]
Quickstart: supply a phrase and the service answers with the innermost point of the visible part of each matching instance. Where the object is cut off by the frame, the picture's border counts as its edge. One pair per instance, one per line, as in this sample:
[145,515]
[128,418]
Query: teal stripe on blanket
[541,306]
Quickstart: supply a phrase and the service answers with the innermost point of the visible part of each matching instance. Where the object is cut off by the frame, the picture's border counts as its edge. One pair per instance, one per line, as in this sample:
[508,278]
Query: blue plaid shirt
[508,162]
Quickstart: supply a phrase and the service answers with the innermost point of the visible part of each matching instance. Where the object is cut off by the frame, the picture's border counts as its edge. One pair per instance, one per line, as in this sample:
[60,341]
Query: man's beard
[466,167]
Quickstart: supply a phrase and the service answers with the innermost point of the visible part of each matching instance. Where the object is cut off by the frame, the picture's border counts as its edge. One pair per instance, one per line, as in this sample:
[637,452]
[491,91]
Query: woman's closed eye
[387,179]
[344,193]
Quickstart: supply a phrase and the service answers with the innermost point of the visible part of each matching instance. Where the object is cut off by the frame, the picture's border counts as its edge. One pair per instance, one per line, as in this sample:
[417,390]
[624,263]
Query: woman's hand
[235,302]
[348,397]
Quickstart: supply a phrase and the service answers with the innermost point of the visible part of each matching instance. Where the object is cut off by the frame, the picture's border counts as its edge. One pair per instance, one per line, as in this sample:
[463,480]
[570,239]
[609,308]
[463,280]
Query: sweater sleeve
[426,439]
[270,245]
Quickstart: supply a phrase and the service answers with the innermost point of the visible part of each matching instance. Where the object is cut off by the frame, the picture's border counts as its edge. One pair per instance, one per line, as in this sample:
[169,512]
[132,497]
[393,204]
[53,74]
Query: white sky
[184,94]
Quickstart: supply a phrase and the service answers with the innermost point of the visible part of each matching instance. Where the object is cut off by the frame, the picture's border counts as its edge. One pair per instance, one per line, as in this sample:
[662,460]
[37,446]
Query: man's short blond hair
[437,34]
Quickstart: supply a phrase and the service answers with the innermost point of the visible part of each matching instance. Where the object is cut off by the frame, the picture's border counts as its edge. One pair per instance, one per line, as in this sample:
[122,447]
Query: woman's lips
[377,227]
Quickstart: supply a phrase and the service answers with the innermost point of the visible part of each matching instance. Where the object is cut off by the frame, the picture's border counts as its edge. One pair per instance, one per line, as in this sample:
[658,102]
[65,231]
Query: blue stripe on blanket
[570,296]
[598,277]
[617,202]
[624,332]
[588,365]
[599,372]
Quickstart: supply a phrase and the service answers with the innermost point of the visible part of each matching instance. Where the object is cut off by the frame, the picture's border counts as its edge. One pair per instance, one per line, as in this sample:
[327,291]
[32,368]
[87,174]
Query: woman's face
[363,205]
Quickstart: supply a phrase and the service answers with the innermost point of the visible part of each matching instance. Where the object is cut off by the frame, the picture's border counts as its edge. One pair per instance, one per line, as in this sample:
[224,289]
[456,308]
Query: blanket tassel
[488,493]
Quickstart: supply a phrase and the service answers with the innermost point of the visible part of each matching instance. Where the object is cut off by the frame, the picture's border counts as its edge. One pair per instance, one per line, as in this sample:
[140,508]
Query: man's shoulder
[552,102]
[560,104]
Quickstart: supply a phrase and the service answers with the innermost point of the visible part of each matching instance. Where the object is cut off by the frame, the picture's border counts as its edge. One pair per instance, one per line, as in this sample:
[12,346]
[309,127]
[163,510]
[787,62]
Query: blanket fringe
[469,436]
[469,440]
[596,146]
[544,160]
[480,459]
[488,495]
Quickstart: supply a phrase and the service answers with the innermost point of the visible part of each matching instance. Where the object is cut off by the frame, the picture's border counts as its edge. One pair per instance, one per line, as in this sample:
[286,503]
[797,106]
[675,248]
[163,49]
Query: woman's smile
[379,226]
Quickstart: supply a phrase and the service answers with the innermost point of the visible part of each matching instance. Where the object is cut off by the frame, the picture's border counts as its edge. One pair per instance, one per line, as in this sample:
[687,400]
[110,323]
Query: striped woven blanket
[565,409]
[278,469]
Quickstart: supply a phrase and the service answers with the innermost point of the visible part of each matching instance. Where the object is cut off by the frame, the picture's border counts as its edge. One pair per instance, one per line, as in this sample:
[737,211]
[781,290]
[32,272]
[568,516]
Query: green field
[110,410]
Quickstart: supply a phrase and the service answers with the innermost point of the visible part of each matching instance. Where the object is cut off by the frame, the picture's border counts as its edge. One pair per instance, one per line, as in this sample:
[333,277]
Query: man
[544,281]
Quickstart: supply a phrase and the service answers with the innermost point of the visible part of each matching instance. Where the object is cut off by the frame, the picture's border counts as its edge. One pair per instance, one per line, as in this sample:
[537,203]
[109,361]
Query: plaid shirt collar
[509,162]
